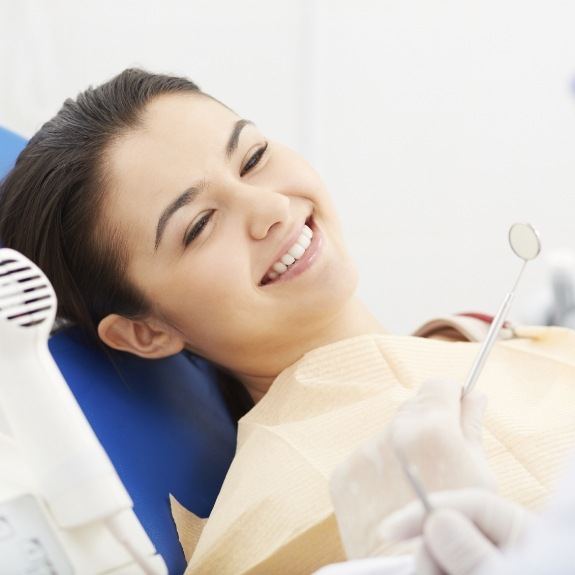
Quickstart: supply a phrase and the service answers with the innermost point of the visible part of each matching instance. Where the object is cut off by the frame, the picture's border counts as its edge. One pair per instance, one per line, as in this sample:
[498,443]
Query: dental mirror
[525,243]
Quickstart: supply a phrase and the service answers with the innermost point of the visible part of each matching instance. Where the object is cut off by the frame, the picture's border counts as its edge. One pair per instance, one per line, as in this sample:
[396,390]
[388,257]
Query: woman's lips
[304,263]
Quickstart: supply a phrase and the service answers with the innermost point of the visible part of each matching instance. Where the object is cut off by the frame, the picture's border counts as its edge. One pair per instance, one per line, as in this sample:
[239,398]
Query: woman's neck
[353,321]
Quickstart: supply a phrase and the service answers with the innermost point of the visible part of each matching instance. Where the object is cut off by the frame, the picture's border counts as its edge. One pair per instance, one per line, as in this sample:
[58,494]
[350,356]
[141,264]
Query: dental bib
[274,513]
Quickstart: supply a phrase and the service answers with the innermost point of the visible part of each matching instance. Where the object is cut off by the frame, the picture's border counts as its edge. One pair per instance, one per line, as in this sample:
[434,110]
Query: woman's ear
[140,337]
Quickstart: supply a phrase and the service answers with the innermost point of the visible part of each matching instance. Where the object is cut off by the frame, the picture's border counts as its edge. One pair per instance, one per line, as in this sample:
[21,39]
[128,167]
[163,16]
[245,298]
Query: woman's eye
[254,160]
[196,230]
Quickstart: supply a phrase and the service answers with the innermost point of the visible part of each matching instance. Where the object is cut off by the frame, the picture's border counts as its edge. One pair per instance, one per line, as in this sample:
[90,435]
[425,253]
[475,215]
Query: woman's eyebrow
[235,136]
[182,200]
[193,192]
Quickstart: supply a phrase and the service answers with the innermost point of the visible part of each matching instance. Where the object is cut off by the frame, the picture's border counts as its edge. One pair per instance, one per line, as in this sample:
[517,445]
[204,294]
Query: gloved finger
[472,411]
[407,523]
[403,524]
[440,394]
[501,520]
[424,563]
[437,405]
[457,545]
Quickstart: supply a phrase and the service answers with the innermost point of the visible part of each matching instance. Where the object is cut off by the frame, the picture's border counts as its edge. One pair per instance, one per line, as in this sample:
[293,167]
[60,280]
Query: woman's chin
[334,289]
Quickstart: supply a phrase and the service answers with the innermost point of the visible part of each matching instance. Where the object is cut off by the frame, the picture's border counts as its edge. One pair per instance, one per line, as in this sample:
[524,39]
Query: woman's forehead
[180,138]
[178,134]
[191,117]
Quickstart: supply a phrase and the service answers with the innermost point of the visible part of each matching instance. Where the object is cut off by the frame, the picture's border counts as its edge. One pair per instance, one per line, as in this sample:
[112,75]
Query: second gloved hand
[463,535]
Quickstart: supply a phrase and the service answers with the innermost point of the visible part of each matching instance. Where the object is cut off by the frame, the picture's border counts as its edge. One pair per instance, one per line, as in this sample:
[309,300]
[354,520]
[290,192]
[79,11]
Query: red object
[488,319]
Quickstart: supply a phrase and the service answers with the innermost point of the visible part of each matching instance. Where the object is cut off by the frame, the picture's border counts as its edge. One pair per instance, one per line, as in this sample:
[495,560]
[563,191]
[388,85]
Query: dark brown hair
[50,202]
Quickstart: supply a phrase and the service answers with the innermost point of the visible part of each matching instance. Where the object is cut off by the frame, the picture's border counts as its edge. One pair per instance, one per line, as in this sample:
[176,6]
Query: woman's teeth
[293,254]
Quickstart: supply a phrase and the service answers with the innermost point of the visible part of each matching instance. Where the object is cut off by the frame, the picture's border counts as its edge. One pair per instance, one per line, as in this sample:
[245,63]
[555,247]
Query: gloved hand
[463,535]
[437,432]
[441,434]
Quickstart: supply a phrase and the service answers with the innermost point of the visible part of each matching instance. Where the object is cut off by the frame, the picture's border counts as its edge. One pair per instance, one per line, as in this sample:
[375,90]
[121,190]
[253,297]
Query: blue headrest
[10,146]
[165,424]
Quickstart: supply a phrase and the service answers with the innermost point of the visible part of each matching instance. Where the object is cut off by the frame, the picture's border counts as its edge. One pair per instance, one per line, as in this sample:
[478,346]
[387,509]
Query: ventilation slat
[12,266]
[32,319]
[24,298]
[18,276]
[27,309]
[18,290]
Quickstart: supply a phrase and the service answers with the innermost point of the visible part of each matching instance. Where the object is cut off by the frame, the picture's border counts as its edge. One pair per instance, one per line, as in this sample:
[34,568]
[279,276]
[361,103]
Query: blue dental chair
[167,425]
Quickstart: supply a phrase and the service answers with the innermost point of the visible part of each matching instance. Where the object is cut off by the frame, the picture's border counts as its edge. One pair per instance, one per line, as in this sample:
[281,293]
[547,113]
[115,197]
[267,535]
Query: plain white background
[435,123]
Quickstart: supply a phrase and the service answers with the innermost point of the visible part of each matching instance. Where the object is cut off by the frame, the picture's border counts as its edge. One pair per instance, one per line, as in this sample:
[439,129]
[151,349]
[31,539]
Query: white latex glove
[438,433]
[464,534]
[402,565]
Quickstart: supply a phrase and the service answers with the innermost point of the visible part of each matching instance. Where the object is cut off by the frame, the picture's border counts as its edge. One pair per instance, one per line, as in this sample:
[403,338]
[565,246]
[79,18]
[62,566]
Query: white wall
[442,123]
[245,53]
[435,124]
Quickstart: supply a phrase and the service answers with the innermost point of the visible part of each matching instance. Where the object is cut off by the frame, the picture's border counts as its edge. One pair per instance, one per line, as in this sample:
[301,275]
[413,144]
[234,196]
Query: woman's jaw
[354,319]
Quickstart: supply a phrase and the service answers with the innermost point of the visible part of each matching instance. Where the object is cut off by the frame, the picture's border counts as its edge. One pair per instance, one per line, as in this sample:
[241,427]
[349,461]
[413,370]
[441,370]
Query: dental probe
[525,242]
[410,472]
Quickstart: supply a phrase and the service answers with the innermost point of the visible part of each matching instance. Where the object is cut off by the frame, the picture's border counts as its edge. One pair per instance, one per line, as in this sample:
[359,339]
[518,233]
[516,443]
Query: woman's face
[206,206]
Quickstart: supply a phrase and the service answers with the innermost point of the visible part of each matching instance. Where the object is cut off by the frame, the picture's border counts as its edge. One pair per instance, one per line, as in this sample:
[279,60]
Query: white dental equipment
[524,241]
[73,511]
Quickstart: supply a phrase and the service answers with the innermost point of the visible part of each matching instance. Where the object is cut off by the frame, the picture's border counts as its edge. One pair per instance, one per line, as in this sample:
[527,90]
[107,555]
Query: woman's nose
[263,208]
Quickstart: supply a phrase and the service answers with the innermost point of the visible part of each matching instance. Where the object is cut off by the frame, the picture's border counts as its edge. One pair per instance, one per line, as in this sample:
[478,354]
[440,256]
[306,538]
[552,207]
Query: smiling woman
[166,222]
[168,218]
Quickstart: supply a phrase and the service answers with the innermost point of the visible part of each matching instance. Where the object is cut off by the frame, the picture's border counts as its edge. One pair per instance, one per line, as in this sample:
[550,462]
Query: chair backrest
[165,424]
[10,146]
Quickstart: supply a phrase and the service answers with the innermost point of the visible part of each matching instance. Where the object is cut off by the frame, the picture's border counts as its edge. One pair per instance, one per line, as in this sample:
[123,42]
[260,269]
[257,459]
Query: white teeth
[293,254]
[304,241]
[296,251]
[279,267]
[301,245]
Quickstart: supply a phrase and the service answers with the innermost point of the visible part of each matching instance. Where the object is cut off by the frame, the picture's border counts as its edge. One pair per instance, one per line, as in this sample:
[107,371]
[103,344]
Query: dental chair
[166,425]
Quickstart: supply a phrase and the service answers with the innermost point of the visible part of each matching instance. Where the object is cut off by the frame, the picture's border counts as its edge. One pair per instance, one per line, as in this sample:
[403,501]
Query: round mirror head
[524,241]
